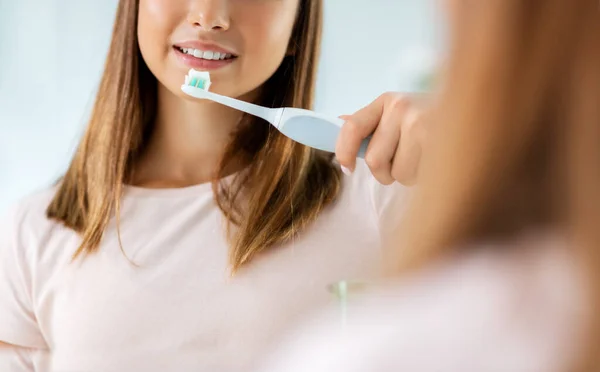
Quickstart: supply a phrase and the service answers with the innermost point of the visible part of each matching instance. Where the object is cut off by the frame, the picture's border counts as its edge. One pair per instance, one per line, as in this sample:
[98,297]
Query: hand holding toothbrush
[388,133]
[395,123]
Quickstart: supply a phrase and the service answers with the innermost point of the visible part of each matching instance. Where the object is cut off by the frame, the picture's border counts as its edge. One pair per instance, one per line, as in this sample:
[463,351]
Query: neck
[187,143]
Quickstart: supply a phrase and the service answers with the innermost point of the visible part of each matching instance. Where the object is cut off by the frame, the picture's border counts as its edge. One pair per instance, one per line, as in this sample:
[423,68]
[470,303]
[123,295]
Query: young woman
[500,247]
[184,235]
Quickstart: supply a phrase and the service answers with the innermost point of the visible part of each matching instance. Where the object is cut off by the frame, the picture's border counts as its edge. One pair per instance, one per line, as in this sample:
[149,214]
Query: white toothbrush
[304,126]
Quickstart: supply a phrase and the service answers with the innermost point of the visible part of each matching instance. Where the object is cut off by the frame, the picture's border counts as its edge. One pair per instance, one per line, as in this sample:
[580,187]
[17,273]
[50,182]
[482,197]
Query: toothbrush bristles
[196,83]
[196,79]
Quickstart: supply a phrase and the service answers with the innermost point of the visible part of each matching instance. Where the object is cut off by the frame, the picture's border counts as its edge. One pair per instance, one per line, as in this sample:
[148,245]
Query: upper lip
[205,46]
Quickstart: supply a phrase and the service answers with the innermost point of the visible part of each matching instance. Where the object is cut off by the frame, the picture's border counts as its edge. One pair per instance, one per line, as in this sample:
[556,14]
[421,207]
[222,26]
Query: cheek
[156,21]
[266,36]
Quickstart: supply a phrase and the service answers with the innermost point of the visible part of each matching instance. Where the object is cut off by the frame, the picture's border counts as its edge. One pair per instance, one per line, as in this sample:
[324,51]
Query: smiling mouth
[208,55]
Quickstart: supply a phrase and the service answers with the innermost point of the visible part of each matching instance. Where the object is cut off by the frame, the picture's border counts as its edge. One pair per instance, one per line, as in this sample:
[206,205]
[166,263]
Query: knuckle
[387,96]
[386,181]
[374,161]
[351,127]
[390,96]
[414,135]
[410,127]
[412,123]
[398,175]
[404,176]
[398,102]
[415,115]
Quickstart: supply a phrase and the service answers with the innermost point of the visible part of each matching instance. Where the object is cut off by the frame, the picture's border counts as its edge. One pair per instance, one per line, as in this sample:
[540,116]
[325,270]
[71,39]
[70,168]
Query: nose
[210,15]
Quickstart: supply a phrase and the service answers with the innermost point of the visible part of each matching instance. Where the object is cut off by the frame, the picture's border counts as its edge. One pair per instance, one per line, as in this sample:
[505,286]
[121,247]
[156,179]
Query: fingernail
[346,171]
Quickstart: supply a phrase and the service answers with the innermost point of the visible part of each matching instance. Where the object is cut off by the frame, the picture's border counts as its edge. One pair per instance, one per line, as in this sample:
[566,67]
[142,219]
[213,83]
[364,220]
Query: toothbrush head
[198,79]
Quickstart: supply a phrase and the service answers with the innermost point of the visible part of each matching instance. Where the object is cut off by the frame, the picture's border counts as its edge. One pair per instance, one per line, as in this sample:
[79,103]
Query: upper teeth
[205,54]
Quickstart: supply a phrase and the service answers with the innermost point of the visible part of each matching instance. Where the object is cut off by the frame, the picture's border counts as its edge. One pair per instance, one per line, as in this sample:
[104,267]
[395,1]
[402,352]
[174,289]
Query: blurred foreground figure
[497,264]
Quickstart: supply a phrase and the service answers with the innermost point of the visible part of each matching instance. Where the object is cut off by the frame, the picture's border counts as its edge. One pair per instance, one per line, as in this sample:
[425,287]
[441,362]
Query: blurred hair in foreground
[517,141]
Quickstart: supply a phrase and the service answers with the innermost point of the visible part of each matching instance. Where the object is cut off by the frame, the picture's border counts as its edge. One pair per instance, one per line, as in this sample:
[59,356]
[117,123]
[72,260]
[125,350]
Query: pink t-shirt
[515,307]
[178,309]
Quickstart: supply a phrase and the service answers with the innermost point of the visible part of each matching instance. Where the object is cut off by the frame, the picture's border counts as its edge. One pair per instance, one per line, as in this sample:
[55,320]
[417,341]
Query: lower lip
[202,64]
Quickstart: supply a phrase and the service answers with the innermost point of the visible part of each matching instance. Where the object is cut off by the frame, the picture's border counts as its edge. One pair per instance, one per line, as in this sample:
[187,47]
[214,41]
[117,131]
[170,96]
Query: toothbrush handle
[313,129]
[363,145]
[247,107]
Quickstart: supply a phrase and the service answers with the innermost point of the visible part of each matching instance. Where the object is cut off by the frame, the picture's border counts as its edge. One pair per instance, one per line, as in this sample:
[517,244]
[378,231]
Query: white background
[52,52]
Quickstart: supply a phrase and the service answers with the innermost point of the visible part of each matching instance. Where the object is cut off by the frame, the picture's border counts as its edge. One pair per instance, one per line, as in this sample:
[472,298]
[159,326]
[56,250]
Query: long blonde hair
[284,189]
[516,136]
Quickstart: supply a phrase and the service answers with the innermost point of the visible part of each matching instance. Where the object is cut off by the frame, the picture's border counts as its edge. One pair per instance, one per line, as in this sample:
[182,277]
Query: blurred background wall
[52,53]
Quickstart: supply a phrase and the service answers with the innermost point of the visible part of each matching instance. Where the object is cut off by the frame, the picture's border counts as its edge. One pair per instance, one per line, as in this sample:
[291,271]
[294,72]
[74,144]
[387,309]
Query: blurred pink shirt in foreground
[512,308]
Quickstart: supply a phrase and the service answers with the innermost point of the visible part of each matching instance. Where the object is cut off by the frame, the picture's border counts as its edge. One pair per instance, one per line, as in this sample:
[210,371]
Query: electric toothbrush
[303,126]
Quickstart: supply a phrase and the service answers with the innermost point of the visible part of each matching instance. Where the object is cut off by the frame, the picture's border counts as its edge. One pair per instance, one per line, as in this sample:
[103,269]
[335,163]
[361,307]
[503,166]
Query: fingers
[405,164]
[384,144]
[397,131]
[356,128]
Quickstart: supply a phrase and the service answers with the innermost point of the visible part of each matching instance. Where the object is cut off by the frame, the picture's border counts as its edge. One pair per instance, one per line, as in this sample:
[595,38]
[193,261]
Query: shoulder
[30,210]
[25,225]
[24,231]
[480,312]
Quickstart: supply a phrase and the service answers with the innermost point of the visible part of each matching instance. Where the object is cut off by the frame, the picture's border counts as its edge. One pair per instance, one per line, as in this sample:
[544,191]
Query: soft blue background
[52,51]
